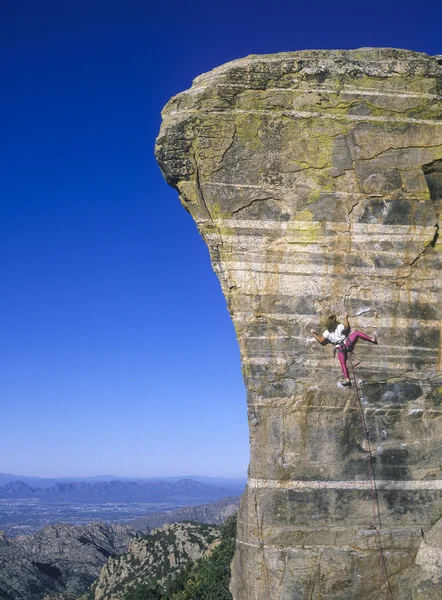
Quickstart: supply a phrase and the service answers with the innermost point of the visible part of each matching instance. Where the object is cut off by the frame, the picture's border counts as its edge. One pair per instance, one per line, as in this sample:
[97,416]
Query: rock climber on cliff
[339,335]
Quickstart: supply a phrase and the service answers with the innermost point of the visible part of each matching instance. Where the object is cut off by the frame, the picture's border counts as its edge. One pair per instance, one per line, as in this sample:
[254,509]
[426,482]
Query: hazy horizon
[97,476]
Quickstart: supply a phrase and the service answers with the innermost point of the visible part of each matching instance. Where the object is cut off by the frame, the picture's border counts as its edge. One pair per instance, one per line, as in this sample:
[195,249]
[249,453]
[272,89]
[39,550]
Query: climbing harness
[374,492]
[342,346]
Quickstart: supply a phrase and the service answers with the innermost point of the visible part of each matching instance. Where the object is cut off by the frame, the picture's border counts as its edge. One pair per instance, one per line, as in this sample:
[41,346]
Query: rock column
[315,178]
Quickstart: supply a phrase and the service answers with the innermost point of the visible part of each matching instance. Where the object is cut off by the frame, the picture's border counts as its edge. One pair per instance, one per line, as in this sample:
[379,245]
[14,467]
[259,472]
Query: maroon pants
[350,343]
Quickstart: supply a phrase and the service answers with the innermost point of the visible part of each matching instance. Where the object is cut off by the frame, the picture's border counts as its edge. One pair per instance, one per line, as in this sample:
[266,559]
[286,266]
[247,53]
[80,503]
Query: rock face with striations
[315,178]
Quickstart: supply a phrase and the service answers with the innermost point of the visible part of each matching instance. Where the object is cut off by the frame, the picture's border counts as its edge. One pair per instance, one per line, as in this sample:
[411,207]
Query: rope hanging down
[374,492]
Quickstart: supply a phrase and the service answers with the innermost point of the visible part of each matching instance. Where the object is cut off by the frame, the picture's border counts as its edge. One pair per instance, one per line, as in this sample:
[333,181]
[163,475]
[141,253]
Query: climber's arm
[320,338]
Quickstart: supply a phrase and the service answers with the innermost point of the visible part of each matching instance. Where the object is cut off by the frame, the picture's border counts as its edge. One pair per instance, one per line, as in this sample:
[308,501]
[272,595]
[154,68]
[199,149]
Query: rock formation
[153,559]
[58,561]
[315,178]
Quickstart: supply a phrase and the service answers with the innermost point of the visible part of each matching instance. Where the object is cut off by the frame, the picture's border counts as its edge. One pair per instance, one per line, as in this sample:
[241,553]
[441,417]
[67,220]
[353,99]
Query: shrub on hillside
[144,591]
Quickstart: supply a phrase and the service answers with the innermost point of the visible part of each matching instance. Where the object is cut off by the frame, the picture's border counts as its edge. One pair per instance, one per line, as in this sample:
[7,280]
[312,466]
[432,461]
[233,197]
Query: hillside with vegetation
[181,561]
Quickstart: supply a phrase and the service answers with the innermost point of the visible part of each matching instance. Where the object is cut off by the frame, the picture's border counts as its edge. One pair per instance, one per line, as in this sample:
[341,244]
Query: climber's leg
[342,356]
[358,335]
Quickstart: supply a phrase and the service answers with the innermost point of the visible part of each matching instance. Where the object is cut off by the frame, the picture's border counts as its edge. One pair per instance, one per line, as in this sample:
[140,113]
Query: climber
[339,335]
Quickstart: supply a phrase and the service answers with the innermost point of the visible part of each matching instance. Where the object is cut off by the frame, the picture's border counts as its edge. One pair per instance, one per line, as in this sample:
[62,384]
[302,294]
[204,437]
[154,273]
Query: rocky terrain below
[58,559]
[156,558]
[61,562]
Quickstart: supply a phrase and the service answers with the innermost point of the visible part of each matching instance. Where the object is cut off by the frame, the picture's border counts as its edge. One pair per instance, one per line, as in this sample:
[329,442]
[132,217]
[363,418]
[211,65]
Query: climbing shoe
[375,340]
[345,384]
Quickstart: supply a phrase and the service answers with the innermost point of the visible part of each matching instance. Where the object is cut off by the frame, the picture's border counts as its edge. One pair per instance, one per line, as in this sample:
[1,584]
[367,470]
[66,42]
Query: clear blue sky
[117,354]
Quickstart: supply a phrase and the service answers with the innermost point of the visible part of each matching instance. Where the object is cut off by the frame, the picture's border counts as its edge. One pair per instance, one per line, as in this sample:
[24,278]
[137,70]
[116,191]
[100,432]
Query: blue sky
[117,354]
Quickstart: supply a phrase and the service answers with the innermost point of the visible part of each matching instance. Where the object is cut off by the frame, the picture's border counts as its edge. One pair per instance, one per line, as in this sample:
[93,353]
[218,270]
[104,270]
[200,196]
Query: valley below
[25,509]
[55,543]
[26,516]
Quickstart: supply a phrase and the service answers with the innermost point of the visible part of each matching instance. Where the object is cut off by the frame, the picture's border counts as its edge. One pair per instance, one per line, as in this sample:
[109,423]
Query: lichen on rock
[315,179]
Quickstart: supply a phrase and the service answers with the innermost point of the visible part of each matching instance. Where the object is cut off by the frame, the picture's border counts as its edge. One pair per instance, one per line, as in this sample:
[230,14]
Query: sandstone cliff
[315,179]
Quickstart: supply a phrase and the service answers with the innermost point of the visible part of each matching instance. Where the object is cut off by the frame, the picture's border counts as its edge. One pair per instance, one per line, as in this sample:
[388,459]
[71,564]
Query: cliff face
[315,179]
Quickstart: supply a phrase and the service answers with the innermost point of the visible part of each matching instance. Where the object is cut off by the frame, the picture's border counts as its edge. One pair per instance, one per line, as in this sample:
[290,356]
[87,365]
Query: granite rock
[58,561]
[315,178]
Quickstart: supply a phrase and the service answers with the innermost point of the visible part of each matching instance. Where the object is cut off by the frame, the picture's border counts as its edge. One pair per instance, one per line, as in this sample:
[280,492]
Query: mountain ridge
[184,490]
[36,481]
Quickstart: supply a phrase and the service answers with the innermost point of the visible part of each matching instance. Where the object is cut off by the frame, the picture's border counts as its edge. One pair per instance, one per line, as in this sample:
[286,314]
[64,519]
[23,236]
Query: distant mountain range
[148,491]
[42,482]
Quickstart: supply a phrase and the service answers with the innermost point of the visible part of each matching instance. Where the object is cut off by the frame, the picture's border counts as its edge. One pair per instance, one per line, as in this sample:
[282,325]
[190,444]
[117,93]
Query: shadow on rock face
[397,393]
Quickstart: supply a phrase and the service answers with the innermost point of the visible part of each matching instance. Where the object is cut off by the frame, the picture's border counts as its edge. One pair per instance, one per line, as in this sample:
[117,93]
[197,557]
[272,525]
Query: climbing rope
[374,491]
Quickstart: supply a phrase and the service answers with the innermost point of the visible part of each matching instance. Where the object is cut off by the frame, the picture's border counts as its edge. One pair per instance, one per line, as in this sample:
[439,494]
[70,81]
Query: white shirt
[336,335]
